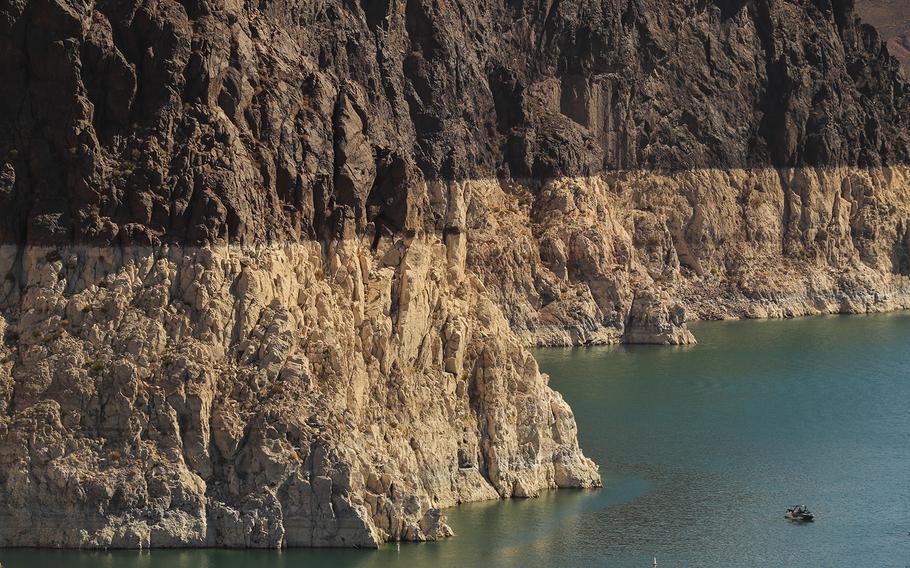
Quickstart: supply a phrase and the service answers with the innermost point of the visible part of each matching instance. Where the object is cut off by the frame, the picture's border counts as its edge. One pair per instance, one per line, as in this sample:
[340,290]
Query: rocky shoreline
[289,395]
[263,397]
[631,256]
[269,271]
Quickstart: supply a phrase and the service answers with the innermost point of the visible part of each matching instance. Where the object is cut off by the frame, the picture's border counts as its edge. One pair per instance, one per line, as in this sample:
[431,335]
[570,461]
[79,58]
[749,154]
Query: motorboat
[800,514]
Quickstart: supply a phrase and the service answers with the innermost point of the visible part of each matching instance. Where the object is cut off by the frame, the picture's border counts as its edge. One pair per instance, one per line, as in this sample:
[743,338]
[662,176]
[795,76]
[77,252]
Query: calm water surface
[704,446]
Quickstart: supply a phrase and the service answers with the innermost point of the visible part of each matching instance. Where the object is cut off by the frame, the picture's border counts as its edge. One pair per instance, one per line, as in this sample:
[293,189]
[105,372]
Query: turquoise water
[705,447]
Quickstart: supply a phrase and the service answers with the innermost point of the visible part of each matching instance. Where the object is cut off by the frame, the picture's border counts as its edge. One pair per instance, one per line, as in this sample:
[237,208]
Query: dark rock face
[150,121]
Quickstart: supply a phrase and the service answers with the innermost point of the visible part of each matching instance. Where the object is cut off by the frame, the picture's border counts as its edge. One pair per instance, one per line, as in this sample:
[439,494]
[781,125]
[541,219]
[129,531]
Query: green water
[705,447]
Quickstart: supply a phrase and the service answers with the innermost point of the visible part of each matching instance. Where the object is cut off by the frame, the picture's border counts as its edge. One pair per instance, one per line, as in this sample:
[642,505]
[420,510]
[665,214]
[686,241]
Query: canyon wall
[269,270]
[264,397]
[630,256]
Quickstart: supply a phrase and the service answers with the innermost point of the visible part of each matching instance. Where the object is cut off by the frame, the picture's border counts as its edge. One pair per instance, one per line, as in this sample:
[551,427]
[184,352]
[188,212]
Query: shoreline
[747,312]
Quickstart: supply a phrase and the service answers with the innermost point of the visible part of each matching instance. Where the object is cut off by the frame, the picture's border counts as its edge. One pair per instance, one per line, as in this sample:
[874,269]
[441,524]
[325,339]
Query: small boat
[799,513]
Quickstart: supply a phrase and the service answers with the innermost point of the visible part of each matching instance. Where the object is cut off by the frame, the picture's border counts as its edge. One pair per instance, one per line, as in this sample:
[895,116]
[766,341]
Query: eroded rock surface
[196,122]
[264,397]
[268,268]
[628,257]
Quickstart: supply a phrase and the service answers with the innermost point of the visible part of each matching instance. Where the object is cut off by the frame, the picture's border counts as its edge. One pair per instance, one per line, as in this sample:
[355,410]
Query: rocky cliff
[269,268]
[293,395]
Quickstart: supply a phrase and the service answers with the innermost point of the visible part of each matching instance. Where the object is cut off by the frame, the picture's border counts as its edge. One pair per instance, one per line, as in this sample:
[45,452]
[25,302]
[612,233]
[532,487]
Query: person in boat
[800,512]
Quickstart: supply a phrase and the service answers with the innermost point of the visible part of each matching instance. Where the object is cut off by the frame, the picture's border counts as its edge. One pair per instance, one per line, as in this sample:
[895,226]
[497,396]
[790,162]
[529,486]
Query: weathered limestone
[315,394]
[293,395]
[629,256]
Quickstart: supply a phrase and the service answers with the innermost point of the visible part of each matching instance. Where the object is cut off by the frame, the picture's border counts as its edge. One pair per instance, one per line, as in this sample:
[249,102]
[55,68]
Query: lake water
[704,449]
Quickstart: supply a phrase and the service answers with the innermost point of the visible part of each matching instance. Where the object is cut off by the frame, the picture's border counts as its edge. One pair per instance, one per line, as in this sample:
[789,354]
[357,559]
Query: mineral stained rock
[269,269]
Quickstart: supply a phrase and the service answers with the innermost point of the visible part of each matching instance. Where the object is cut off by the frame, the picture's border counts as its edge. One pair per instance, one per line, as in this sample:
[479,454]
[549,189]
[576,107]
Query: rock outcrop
[269,269]
[264,397]
[628,257]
